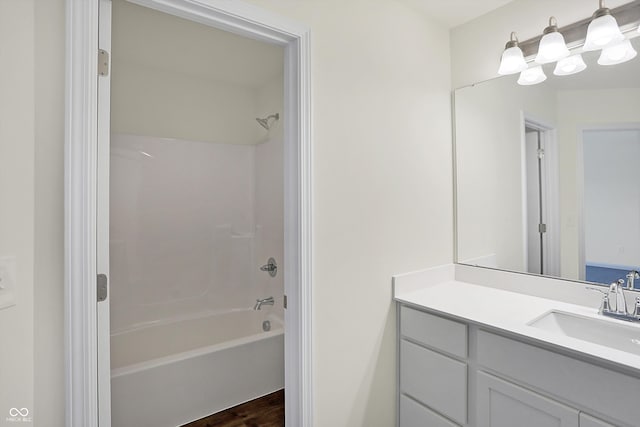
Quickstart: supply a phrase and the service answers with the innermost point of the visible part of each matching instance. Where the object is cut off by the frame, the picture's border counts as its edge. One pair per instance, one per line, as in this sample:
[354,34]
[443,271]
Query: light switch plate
[7,281]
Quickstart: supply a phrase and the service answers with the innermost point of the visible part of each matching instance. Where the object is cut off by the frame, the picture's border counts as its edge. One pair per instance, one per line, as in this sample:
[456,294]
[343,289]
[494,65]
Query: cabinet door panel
[434,331]
[502,404]
[413,414]
[589,421]
[436,381]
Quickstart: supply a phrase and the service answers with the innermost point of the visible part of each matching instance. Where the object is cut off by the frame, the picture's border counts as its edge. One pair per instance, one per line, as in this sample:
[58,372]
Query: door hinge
[540,153]
[542,228]
[103,62]
[103,287]
[285,301]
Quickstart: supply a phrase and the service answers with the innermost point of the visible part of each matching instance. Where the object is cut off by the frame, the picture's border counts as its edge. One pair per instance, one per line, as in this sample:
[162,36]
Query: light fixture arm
[513,41]
[553,26]
[602,11]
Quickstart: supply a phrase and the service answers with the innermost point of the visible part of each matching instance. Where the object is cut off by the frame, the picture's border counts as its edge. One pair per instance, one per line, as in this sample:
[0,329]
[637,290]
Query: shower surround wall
[188,227]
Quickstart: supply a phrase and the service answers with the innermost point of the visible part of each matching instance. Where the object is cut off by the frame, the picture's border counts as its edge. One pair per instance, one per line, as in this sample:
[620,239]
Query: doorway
[196,218]
[609,194]
[88,104]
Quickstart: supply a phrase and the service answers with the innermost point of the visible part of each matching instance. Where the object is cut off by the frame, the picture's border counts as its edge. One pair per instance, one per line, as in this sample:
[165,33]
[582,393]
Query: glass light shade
[602,32]
[571,65]
[552,48]
[512,61]
[532,76]
[617,54]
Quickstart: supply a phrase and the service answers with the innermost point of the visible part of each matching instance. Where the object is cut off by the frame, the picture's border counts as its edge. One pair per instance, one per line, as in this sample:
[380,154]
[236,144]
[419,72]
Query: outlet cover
[7,281]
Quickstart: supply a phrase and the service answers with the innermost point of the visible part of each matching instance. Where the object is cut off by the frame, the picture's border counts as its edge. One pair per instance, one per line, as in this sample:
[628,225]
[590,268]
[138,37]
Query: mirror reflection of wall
[502,222]
[611,203]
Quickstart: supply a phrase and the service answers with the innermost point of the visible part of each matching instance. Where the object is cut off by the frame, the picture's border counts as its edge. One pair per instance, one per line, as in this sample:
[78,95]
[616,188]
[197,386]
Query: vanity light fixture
[512,61]
[617,54]
[552,45]
[571,65]
[532,76]
[603,30]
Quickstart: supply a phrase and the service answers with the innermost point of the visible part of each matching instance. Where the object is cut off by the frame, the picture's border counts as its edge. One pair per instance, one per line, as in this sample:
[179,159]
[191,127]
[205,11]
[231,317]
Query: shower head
[265,122]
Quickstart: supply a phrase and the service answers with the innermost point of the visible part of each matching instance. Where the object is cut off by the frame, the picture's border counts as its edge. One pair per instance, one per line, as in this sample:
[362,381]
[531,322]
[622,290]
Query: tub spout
[261,302]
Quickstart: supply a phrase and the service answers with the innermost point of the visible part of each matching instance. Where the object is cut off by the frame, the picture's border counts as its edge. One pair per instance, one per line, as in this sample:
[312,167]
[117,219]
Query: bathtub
[169,374]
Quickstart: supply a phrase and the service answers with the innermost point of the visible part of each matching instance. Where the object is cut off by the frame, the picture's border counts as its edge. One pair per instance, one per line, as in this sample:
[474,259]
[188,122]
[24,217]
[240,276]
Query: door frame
[81,194]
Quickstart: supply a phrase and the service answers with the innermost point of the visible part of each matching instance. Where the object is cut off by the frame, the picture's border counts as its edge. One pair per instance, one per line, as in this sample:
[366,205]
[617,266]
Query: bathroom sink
[611,334]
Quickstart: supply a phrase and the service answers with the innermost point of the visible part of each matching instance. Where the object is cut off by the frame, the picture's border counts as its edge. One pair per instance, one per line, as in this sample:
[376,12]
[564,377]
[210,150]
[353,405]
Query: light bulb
[571,65]
[603,31]
[617,54]
[552,46]
[532,76]
[512,60]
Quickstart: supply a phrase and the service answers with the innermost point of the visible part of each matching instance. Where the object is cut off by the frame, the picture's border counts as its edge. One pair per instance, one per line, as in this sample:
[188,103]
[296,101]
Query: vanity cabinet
[504,404]
[589,421]
[433,373]
[455,374]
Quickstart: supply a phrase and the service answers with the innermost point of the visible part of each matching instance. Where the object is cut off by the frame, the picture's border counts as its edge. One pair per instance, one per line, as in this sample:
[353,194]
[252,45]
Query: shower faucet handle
[271,267]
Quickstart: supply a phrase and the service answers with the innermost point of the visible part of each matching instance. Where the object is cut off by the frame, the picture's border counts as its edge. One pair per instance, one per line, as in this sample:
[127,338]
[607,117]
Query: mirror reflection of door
[542,248]
[611,203]
[534,148]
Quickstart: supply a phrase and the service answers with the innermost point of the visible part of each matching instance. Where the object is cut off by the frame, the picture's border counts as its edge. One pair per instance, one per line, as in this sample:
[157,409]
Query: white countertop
[508,311]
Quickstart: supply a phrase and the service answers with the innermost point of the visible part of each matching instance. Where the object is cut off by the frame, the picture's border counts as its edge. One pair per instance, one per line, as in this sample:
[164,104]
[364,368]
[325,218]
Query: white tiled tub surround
[507,302]
[190,227]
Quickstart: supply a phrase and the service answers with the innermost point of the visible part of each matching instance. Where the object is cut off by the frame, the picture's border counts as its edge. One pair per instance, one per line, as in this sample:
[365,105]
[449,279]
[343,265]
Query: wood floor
[267,411]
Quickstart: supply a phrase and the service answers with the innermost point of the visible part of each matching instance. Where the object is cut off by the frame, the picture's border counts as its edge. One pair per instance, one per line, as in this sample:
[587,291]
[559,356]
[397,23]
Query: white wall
[490,168]
[612,197]
[17,196]
[382,192]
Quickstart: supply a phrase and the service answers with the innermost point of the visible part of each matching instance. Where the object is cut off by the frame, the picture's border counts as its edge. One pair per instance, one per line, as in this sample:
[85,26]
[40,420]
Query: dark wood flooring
[267,411]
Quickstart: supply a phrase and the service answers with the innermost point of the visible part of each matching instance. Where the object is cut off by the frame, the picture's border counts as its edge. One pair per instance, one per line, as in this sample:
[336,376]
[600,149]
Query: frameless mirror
[548,176]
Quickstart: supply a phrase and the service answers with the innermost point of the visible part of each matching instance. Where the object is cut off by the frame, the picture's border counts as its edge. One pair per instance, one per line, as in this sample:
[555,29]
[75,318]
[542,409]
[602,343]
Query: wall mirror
[548,176]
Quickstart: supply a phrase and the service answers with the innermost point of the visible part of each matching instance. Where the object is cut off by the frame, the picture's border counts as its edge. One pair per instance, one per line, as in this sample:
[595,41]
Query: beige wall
[382,189]
[382,193]
[49,220]
[17,202]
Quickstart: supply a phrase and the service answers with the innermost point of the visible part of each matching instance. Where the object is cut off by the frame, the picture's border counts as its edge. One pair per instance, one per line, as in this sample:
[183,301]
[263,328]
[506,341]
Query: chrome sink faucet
[617,288]
[631,277]
[261,302]
[620,311]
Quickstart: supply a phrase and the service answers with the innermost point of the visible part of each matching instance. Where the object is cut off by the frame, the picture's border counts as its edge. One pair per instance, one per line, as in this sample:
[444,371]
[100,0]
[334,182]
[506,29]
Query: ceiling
[456,12]
[160,41]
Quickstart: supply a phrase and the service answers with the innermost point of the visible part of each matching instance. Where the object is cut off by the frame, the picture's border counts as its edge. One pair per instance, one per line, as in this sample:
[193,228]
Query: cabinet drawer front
[581,383]
[589,421]
[434,331]
[413,414]
[502,404]
[437,381]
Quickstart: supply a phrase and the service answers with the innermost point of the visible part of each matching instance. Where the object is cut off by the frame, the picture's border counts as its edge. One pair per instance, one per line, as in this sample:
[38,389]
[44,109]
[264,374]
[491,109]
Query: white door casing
[102,210]
[86,124]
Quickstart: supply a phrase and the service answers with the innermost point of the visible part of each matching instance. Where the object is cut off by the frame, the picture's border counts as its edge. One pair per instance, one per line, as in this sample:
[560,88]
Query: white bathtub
[166,375]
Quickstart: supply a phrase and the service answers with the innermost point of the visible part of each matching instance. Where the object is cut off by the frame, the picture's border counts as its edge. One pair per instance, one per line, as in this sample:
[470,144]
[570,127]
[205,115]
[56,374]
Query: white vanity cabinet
[433,371]
[456,374]
[504,404]
[589,421]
